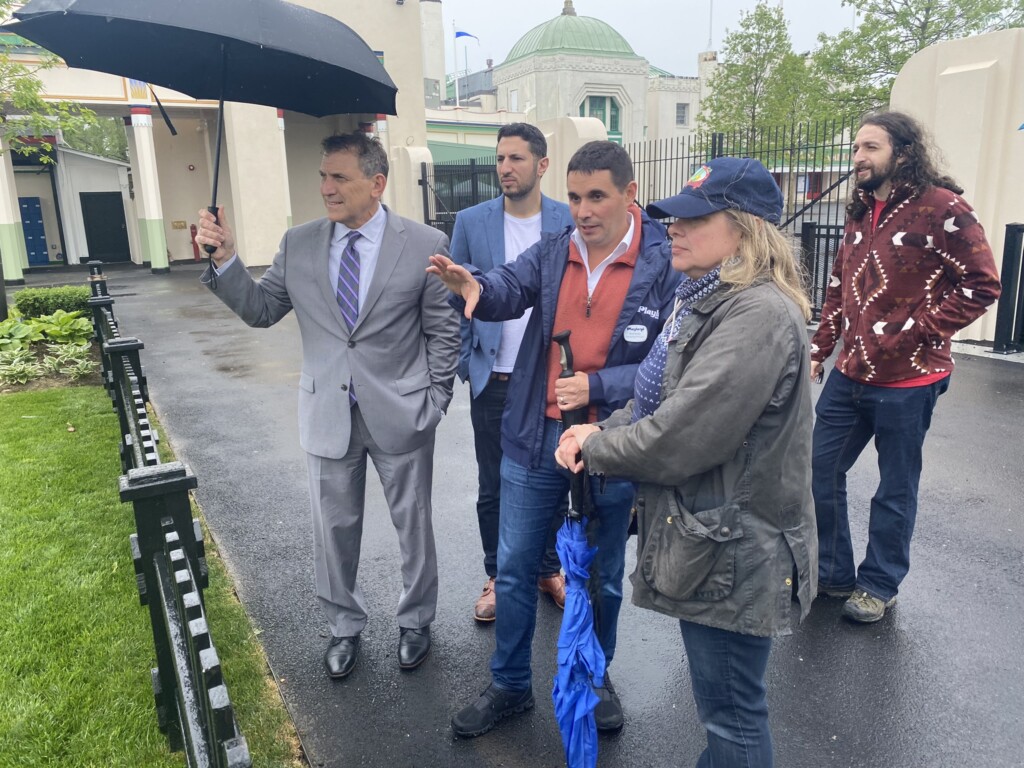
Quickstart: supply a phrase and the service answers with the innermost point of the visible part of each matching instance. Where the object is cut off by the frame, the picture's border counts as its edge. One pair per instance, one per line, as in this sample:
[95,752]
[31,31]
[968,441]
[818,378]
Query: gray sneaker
[864,608]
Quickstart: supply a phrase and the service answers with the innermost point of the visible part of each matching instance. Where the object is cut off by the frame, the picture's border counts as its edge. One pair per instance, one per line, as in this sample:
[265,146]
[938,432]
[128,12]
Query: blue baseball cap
[741,183]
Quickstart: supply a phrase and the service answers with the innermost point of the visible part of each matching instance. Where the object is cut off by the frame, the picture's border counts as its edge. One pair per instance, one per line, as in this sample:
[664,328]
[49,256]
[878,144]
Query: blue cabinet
[35,234]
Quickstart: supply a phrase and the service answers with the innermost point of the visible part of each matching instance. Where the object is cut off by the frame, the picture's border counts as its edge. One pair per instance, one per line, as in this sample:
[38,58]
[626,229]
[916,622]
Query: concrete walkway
[938,684]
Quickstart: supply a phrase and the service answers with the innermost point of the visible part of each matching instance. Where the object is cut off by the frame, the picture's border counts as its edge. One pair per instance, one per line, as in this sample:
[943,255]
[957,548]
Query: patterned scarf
[647,389]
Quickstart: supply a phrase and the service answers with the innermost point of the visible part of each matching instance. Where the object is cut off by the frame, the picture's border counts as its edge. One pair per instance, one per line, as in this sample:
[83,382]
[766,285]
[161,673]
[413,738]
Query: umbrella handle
[211,249]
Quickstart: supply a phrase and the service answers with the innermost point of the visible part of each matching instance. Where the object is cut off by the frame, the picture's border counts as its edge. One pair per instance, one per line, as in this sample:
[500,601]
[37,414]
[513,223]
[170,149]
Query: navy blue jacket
[479,239]
[533,280]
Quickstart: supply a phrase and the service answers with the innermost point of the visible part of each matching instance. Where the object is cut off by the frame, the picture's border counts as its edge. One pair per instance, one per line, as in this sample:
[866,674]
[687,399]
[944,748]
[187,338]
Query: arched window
[605,109]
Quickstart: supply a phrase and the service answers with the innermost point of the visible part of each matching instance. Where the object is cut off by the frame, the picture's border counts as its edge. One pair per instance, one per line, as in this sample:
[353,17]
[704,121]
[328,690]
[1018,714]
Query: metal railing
[451,186]
[169,555]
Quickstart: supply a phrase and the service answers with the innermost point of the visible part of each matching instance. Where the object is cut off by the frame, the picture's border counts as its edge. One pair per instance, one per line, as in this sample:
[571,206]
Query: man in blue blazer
[486,236]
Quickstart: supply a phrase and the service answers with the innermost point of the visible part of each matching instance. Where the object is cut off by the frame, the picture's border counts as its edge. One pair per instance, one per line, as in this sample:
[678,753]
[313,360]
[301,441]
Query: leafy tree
[24,113]
[761,81]
[862,63]
[105,137]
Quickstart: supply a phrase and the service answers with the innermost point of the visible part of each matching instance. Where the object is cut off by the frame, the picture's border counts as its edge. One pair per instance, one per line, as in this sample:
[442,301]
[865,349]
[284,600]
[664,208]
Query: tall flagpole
[455,63]
[711,19]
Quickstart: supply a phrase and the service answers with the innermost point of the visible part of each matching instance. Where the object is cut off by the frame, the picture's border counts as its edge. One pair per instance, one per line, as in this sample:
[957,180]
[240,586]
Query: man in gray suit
[380,348]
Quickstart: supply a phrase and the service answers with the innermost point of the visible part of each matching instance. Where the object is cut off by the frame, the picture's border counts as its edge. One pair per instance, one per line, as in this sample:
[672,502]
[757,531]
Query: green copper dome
[570,33]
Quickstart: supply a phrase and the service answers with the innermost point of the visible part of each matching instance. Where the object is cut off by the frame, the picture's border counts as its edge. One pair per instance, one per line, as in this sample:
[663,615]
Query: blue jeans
[727,673]
[849,414]
[485,412]
[529,498]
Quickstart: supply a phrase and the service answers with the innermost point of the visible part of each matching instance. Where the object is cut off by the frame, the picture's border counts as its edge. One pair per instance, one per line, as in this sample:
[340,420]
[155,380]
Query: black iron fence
[192,703]
[812,163]
[451,186]
[1009,337]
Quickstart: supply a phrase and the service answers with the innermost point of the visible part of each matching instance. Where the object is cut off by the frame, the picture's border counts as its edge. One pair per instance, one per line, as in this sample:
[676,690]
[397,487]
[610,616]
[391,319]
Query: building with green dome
[576,66]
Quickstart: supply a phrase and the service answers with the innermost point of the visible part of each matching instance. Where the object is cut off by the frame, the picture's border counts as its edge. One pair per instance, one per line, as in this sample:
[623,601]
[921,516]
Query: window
[813,186]
[606,109]
[513,100]
[682,113]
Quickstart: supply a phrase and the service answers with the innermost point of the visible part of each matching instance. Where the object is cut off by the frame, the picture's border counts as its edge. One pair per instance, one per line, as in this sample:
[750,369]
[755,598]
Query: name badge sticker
[635,333]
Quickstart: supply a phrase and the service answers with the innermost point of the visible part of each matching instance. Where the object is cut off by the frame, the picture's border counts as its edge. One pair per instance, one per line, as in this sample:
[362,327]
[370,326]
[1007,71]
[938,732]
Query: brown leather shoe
[555,586]
[483,611]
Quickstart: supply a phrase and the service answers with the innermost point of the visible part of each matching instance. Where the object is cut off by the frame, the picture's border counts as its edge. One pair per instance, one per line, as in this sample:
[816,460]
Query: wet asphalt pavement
[939,683]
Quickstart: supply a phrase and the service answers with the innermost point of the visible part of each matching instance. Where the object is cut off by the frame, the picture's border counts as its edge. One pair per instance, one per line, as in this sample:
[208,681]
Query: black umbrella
[268,52]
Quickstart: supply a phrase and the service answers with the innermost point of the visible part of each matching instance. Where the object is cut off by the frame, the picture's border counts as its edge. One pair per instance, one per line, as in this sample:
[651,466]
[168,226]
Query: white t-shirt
[520,234]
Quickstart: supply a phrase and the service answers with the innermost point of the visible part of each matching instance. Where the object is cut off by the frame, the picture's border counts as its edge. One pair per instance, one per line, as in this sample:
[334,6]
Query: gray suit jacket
[400,356]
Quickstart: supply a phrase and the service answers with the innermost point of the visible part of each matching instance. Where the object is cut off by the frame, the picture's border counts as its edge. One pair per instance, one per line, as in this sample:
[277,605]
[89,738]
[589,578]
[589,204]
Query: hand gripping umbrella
[268,52]
[581,661]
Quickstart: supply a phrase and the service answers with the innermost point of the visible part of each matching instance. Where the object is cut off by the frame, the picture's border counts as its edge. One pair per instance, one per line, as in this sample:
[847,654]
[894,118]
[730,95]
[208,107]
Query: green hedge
[35,302]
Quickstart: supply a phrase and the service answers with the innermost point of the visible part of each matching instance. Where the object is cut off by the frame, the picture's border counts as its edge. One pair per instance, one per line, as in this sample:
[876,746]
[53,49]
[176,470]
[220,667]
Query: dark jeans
[727,673]
[529,497]
[485,413]
[849,414]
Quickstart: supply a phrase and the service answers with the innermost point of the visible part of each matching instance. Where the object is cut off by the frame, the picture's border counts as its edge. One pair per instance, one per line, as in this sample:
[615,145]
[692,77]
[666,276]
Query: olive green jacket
[724,509]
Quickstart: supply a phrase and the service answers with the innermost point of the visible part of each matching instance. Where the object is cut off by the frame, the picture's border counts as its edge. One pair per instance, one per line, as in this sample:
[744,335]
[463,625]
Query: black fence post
[157,493]
[1009,336]
[424,183]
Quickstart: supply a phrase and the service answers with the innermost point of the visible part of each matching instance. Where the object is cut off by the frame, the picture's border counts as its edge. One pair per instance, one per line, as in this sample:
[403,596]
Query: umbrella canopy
[581,661]
[268,52]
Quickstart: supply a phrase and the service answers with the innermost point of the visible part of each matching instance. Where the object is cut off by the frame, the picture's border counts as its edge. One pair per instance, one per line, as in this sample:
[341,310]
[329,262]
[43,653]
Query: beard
[878,177]
[520,192]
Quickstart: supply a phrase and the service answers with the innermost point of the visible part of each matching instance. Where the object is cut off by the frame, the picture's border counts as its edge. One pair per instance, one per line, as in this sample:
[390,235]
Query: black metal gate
[811,162]
[450,186]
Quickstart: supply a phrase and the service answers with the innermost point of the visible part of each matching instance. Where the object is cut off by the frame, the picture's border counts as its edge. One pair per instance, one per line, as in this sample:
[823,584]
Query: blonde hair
[764,253]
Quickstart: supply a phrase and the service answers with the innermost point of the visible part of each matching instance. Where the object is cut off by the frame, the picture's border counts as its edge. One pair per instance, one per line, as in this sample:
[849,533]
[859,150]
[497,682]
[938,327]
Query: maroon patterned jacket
[900,291]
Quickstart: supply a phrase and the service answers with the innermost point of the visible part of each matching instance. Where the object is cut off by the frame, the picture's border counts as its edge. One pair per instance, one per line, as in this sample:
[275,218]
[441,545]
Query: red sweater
[592,318]
[901,290]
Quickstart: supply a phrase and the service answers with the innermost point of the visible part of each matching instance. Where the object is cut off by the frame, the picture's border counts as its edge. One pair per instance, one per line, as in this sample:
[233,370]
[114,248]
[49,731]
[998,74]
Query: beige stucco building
[969,93]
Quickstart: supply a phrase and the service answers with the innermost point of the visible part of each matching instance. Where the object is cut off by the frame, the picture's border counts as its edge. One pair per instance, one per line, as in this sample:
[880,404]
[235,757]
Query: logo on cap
[699,177]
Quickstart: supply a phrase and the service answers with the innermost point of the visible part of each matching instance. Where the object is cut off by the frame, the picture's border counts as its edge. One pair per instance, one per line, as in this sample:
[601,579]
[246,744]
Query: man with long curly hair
[913,269]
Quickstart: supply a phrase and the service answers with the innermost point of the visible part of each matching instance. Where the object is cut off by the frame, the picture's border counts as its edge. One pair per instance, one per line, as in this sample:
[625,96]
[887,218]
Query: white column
[146,186]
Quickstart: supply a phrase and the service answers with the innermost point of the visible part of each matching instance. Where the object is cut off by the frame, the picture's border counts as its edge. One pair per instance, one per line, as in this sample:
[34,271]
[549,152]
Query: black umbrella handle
[572,418]
[211,249]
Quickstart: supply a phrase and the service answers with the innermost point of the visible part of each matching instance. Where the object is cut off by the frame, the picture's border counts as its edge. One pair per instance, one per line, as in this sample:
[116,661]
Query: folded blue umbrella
[581,661]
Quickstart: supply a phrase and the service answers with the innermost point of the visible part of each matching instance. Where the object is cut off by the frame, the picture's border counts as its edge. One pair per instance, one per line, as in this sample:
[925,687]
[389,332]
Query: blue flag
[460,33]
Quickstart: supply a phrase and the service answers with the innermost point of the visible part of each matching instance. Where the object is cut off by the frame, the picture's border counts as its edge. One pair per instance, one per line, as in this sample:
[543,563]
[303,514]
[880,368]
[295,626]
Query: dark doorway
[106,234]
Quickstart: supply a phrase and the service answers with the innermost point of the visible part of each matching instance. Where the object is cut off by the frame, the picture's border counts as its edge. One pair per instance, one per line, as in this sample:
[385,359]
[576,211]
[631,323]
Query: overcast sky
[668,33]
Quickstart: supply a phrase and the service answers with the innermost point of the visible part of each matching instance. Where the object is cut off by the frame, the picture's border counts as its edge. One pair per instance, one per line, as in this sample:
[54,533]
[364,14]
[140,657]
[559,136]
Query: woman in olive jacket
[718,438]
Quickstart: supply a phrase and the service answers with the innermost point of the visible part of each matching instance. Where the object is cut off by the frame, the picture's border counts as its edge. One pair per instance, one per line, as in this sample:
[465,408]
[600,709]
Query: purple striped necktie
[348,281]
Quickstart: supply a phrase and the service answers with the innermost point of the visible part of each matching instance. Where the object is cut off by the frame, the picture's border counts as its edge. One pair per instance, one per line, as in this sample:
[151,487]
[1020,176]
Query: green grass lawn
[75,644]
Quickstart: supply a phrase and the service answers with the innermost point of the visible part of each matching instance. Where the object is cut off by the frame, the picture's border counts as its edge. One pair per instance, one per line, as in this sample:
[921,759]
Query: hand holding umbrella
[214,233]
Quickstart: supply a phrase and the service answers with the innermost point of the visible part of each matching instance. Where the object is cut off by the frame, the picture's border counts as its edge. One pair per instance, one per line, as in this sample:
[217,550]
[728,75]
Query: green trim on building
[12,250]
[442,151]
[154,243]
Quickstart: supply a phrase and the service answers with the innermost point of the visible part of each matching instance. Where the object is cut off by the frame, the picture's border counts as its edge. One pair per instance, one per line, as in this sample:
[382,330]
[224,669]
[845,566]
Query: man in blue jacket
[487,235]
[610,281]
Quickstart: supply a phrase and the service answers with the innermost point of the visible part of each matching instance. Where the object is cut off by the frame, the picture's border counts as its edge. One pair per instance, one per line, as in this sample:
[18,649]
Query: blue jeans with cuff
[849,414]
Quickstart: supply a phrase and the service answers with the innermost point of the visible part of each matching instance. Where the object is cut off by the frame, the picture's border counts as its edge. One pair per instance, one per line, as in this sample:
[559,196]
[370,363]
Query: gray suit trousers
[337,489]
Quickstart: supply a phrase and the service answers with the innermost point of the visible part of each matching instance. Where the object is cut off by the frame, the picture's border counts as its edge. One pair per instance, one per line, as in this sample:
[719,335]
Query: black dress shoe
[608,712]
[492,706]
[413,646]
[341,656]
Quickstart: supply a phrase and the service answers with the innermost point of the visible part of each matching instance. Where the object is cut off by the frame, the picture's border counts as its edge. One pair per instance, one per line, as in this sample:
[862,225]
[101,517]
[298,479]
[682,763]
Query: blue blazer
[479,239]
